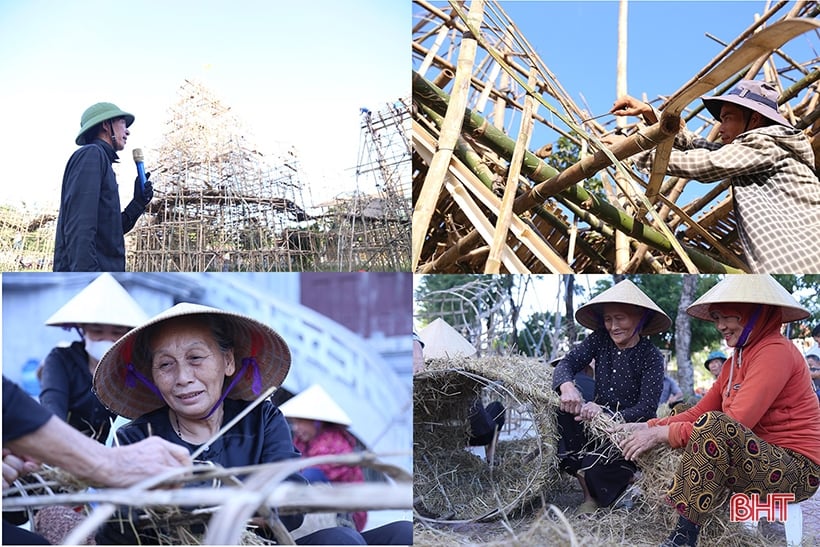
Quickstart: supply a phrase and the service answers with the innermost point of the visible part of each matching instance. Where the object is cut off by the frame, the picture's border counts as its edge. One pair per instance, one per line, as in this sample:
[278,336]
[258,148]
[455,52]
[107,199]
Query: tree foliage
[534,339]
[566,153]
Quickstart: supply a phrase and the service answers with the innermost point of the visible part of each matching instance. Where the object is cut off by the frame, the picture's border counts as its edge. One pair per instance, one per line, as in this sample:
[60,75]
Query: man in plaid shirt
[770,165]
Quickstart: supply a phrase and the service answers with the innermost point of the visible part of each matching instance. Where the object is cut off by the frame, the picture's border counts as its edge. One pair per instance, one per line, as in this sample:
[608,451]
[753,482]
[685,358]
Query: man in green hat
[90,226]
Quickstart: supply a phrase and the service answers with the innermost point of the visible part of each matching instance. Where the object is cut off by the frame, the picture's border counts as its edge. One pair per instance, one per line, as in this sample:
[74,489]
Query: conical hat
[103,302]
[625,292]
[443,341]
[251,339]
[315,404]
[749,289]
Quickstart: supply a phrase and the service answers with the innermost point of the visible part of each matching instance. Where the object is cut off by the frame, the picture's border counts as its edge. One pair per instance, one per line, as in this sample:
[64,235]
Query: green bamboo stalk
[587,216]
[433,182]
[505,213]
[475,124]
[536,170]
[464,151]
[808,119]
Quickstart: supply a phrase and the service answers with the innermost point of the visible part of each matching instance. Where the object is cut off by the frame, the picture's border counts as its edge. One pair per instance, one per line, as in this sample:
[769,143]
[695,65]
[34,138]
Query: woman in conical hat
[186,373]
[100,313]
[629,374]
[320,426]
[757,430]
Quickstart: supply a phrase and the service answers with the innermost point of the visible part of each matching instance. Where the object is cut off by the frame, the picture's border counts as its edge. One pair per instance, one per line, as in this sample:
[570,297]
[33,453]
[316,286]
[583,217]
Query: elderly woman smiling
[757,430]
[189,371]
[628,380]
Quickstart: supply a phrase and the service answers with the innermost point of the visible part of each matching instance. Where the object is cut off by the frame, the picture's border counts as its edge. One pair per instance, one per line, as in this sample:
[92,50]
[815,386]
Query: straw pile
[640,518]
[454,484]
[196,513]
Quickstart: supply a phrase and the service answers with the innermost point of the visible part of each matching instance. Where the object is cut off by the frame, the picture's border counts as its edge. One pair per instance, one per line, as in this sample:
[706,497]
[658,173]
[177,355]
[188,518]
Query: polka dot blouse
[628,381]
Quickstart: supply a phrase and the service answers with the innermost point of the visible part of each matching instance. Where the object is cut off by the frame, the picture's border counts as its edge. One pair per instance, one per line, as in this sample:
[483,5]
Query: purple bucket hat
[760,97]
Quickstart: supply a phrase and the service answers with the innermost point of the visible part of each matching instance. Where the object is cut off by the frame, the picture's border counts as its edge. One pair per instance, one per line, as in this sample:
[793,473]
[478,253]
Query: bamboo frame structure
[228,507]
[26,239]
[219,203]
[370,229]
[558,209]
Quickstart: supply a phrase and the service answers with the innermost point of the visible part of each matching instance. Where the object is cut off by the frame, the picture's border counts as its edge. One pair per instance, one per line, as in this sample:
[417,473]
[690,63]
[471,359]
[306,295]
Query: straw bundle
[651,511]
[174,515]
[452,483]
[647,521]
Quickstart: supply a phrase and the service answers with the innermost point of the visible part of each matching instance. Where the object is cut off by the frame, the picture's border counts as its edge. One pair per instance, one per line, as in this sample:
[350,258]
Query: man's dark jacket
[90,226]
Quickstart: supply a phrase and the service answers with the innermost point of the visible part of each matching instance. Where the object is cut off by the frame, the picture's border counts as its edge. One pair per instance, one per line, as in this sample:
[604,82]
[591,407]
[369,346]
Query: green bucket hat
[98,113]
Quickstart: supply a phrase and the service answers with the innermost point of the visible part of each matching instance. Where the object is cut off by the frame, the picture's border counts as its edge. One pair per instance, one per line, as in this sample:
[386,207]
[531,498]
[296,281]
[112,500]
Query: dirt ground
[514,531]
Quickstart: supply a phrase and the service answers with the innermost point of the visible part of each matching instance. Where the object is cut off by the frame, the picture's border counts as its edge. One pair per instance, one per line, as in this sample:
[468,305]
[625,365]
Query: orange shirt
[771,393]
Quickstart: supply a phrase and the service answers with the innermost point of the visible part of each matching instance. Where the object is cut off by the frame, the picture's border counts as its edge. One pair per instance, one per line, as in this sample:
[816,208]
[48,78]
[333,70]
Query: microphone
[138,159]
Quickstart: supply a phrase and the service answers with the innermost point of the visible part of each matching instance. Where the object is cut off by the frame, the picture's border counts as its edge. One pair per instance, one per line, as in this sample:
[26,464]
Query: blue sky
[667,46]
[296,73]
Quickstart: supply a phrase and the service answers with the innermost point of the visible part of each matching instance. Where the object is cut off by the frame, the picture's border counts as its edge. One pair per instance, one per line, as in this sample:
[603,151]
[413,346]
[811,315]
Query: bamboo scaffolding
[652,219]
[431,188]
[554,183]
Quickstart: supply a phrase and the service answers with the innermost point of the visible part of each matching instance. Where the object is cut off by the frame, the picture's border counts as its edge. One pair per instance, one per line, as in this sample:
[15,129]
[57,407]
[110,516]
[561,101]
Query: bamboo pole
[726,51]
[467,154]
[431,53]
[479,128]
[609,214]
[462,185]
[555,182]
[505,214]
[621,241]
[500,97]
[798,86]
[643,140]
[451,129]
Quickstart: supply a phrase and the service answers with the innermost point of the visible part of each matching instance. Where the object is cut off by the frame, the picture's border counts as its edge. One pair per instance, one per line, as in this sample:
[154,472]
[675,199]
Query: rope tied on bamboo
[481,129]
[643,137]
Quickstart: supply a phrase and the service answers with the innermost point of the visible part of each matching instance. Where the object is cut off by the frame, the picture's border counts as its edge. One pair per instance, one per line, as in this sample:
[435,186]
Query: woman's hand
[588,412]
[571,400]
[642,439]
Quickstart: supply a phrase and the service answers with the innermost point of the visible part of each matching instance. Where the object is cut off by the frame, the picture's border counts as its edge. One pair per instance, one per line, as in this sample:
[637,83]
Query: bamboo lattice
[569,228]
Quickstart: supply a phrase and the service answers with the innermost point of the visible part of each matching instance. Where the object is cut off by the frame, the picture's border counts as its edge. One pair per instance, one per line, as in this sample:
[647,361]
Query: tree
[534,339]
[683,337]
[569,305]
[806,287]
[567,153]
